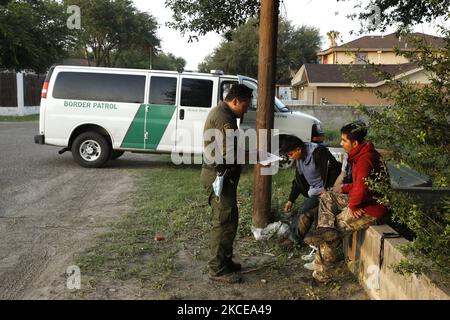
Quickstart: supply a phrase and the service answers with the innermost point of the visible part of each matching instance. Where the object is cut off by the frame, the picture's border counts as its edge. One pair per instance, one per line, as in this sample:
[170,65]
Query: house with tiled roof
[334,80]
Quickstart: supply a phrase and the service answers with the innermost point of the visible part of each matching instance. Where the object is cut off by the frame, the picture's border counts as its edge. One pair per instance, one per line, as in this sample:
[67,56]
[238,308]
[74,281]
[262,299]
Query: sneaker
[320,235]
[229,278]
[310,256]
[310,266]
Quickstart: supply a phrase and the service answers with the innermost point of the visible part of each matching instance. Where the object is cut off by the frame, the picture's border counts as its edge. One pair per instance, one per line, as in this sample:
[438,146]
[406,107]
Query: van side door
[198,94]
[160,113]
[249,119]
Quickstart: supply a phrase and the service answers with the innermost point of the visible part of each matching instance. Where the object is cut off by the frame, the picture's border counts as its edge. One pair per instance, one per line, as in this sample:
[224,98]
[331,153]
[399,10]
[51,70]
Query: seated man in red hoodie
[351,208]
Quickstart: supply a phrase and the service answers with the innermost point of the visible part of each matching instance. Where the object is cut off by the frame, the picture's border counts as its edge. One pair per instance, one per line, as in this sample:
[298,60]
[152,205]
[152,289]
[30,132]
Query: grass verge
[19,118]
[171,202]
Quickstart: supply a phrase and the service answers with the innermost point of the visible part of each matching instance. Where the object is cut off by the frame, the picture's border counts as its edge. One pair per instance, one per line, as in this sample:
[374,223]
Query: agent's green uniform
[224,208]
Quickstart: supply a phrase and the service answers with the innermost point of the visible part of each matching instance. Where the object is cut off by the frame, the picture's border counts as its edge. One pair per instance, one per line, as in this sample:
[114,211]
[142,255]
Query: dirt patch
[46,223]
[263,278]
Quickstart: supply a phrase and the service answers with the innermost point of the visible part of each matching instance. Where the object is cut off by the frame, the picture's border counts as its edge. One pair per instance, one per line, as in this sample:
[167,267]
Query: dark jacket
[329,169]
[365,162]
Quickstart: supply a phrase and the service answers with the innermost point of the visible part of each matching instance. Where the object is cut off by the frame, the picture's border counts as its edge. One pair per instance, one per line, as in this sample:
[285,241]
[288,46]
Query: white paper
[270,158]
[218,185]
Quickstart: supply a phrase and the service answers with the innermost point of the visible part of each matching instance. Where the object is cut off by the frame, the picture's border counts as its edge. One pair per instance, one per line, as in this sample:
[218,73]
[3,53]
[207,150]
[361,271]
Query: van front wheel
[91,150]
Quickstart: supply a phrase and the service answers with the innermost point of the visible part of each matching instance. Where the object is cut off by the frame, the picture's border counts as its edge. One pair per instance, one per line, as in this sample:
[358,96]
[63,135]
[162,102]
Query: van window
[252,85]
[279,106]
[196,93]
[163,91]
[99,87]
[225,87]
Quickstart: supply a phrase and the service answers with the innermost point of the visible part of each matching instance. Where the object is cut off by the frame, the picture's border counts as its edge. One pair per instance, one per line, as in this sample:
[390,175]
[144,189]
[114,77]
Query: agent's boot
[229,277]
[233,267]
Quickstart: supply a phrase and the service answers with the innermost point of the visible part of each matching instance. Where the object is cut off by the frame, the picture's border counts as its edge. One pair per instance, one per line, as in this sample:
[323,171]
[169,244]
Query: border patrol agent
[221,118]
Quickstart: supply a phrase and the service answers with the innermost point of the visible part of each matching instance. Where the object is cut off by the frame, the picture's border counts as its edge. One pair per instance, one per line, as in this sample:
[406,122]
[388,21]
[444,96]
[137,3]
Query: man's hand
[358,213]
[288,207]
[337,188]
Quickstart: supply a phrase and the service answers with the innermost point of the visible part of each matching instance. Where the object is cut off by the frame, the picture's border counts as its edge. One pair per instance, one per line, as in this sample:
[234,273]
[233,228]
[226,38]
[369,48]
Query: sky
[324,14]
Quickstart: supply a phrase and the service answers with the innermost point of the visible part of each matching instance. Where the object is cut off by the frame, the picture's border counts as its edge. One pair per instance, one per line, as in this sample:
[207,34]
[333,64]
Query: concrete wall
[332,117]
[384,283]
[19,111]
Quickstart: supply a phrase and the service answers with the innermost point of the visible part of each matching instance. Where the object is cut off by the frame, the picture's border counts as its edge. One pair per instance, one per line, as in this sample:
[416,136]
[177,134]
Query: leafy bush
[416,128]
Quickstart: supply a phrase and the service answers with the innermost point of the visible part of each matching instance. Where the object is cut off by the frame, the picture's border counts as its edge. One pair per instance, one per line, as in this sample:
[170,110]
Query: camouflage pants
[302,221]
[334,213]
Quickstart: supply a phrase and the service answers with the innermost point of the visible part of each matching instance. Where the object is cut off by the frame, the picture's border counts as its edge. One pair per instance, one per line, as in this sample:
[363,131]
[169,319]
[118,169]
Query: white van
[99,113]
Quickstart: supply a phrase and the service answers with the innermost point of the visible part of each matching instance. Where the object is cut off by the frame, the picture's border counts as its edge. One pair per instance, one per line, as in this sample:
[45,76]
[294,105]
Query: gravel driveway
[51,208]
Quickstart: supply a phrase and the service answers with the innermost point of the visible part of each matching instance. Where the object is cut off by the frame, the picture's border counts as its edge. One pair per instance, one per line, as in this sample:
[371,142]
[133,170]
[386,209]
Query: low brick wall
[383,284]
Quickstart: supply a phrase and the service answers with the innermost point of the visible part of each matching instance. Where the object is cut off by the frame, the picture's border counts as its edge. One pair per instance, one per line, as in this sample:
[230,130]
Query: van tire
[91,150]
[115,154]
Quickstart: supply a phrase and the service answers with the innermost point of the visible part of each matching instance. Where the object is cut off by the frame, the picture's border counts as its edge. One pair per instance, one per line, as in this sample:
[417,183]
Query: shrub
[416,128]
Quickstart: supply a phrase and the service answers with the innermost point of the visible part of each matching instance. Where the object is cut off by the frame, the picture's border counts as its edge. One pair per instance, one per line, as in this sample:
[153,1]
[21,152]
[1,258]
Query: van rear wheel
[91,150]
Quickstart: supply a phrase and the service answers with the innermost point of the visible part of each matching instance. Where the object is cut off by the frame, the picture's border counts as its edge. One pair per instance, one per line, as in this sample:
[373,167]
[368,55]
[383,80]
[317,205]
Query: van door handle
[182,114]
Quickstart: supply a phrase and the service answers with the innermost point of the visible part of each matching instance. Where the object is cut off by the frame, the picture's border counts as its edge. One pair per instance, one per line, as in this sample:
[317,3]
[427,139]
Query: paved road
[51,208]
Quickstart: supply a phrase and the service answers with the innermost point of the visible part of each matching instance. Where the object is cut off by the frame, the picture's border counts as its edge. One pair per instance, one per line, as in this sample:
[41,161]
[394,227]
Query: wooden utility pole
[268,35]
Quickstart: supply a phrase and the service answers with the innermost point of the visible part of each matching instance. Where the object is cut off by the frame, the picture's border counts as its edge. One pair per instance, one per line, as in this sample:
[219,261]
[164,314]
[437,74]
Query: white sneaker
[310,256]
[310,266]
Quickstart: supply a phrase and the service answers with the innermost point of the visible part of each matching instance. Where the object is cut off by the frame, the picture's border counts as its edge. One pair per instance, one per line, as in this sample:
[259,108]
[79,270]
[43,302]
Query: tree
[416,125]
[33,34]
[400,13]
[168,61]
[201,17]
[296,46]
[333,35]
[138,59]
[108,28]
[239,56]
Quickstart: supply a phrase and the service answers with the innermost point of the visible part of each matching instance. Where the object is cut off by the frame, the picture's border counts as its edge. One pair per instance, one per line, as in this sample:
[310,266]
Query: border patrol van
[99,113]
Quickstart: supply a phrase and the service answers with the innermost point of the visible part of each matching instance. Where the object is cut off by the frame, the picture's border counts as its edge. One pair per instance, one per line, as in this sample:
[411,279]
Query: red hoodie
[364,159]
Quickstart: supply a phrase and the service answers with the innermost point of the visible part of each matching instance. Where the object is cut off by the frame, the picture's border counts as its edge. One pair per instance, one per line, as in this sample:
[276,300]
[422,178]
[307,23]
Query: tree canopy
[221,16]
[138,59]
[33,34]
[110,27]
[400,13]
[296,46]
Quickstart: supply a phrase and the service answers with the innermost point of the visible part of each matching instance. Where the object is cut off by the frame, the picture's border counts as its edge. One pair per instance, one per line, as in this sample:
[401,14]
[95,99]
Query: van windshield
[252,84]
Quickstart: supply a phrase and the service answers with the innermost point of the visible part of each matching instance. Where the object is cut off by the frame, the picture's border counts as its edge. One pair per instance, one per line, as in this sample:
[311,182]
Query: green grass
[332,138]
[19,119]
[171,202]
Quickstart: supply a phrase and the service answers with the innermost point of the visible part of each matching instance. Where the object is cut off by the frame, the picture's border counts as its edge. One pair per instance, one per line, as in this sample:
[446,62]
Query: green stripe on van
[158,118]
[134,138]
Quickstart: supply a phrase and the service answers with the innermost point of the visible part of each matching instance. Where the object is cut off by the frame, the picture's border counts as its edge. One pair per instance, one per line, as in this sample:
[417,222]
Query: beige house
[334,80]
